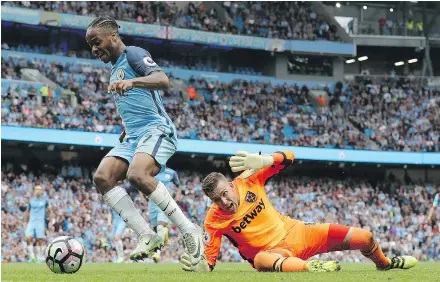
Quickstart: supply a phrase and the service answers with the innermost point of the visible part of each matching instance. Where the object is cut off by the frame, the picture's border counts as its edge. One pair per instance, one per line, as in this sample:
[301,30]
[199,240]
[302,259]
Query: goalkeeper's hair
[210,182]
[105,23]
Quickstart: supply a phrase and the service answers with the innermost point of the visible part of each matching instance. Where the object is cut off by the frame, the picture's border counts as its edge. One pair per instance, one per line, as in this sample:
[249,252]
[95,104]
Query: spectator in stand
[390,27]
[358,117]
[283,20]
[410,27]
[382,23]
[191,92]
[419,26]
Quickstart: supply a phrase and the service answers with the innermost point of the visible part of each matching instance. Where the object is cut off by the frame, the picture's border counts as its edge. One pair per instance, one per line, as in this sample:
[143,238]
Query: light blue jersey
[167,177]
[37,218]
[37,209]
[436,200]
[148,127]
[141,109]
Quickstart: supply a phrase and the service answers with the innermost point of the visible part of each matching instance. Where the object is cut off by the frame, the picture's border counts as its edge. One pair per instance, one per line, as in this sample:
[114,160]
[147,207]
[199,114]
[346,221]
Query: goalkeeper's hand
[243,160]
[201,266]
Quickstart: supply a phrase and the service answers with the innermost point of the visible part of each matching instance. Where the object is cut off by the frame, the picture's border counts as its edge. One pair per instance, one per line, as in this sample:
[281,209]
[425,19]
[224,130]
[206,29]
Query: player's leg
[159,221]
[117,239]
[40,236]
[161,229]
[151,156]
[153,212]
[40,249]
[280,260]
[341,237]
[29,234]
[112,169]
[323,238]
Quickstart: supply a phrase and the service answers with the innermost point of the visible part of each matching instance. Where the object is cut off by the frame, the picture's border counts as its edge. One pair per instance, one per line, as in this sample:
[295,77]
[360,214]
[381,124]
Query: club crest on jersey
[149,62]
[250,197]
[120,74]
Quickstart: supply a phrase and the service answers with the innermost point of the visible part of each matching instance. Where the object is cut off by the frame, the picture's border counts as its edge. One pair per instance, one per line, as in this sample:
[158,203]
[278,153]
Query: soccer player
[435,205]
[35,220]
[268,240]
[158,220]
[146,144]
[118,229]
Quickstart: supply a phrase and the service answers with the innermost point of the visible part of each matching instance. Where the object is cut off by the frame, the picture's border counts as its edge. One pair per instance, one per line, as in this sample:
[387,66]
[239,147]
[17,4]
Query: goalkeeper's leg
[277,261]
[341,237]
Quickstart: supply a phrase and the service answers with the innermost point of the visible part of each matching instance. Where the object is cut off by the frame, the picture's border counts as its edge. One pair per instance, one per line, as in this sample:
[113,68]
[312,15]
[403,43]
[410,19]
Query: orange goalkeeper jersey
[257,225]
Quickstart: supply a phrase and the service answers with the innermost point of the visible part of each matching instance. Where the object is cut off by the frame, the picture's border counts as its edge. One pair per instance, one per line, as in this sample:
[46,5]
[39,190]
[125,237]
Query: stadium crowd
[391,114]
[393,211]
[283,20]
[178,61]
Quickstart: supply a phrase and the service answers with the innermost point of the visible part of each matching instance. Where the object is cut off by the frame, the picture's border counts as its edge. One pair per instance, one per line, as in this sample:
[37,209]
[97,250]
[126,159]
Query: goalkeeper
[268,240]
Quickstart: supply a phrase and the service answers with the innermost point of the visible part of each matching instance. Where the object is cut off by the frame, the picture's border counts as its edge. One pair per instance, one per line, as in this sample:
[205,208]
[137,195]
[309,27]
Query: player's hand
[243,160]
[122,136]
[201,266]
[120,86]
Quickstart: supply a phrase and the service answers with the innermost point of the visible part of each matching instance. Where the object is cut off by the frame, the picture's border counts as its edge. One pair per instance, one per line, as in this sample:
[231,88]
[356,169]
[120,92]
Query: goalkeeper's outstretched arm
[261,167]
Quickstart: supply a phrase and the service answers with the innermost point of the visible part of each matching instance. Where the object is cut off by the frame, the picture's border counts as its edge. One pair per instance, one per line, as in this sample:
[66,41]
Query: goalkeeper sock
[272,262]
[119,248]
[162,198]
[363,240]
[122,204]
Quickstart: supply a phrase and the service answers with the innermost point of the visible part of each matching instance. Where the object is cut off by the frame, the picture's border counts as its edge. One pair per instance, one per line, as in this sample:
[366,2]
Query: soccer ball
[64,255]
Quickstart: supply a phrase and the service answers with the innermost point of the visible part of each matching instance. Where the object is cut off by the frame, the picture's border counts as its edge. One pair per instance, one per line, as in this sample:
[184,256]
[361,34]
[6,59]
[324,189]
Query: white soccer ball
[64,255]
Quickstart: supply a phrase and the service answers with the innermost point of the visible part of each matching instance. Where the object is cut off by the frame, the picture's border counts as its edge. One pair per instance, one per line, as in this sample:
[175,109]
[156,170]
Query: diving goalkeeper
[268,240]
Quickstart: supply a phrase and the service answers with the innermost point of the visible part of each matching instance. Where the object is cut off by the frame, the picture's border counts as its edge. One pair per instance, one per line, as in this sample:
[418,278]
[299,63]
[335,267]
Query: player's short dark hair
[105,22]
[210,182]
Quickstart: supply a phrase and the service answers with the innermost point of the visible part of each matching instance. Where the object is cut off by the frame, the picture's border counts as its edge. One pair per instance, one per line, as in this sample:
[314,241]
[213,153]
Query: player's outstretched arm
[261,167]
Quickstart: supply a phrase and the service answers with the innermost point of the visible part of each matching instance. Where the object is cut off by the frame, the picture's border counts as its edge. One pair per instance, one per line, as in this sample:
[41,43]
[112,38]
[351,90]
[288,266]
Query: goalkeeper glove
[201,266]
[243,160]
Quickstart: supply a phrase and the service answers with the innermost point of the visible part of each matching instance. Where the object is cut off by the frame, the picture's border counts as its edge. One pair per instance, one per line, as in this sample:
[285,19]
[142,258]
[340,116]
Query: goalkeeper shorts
[305,240]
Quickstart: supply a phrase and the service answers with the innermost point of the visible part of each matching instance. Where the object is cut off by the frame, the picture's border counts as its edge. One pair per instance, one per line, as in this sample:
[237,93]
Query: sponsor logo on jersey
[247,219]
[250,197]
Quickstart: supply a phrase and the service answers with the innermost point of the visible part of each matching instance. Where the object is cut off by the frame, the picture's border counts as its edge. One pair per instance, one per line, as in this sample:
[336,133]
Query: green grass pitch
[237,272]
